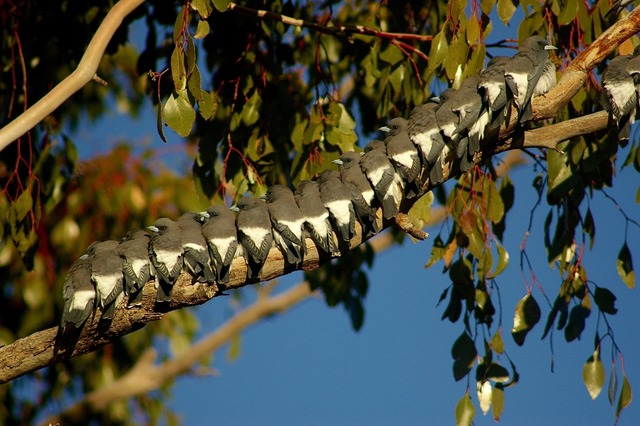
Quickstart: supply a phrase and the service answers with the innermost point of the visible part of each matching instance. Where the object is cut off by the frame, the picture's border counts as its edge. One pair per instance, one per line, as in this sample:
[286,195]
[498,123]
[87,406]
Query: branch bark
[48,346]
[84,73]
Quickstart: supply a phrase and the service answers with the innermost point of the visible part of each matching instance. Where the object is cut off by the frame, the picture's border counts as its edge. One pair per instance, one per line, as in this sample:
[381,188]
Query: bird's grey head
[247,203]
[536,43]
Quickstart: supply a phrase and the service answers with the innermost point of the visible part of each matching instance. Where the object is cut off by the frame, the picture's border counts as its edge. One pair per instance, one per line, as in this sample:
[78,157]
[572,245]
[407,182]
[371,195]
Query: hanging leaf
[605,300]
[464,354]
[497,402]
[625,266]
[526,316]
[465,411]
[485,392]
[625,396]
[179,115]
[497,344]
[593,374]
[576,324]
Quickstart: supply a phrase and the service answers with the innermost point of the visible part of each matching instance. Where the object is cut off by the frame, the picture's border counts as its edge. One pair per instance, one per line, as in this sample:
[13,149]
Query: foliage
[262,102]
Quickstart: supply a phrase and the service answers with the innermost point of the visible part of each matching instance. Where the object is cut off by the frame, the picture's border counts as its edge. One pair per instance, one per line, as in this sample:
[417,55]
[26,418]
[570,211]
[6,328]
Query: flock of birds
[326,208]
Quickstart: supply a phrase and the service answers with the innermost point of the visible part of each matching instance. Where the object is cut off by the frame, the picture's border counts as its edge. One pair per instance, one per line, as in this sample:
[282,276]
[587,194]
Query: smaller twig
[404,222]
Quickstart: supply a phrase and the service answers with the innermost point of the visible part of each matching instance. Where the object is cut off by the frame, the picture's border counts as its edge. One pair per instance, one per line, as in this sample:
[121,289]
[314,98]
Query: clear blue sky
[309,367]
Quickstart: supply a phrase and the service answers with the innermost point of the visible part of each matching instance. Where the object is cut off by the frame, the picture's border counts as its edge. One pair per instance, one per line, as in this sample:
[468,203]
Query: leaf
[159,124]
[593,374]
[235,347]
[484,395]
[465,411]
[497,402]
[178,71]
[203,29]
[576,324]
[437,251]
[497,344]
[391,55]
[526,316]
[605,300]
[613,385]
[438,51]
[506,9]
[464,354]
[624,265]
[203,7]
[179,115]
[503,260]
[221,5]
[23,205]
[625,396]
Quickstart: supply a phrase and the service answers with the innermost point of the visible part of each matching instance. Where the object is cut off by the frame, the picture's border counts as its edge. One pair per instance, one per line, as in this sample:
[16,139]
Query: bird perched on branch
[254,233]
[165,250]
[195,250]
[136,266]
[620,94]
[316,216]
[362,195]
[403,155]
[381,174]
[492,88]
[79,292]
[523,71]
[287,222]
[336,198]
[425,134]
[219,230]
[107,275]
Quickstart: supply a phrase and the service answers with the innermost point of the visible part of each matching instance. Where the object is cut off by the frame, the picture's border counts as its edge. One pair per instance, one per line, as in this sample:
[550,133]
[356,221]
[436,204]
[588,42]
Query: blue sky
[309,367]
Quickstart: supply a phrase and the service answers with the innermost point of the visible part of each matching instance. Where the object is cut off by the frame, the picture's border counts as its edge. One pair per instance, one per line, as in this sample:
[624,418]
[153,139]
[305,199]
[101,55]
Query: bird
[136,266]
[447,122]
[195,248]
[362,195]
[473,119]
[287,222]
[165,253]
[523,71]
[381,175]
[621,96]
[403,155]
[425,134]
[107,276]
[336,197]
[492,88]
[254,233]
[79,293]
[219,230]
[316,216]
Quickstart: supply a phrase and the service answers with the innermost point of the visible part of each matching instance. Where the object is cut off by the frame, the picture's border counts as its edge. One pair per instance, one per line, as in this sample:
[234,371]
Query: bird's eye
[214,214]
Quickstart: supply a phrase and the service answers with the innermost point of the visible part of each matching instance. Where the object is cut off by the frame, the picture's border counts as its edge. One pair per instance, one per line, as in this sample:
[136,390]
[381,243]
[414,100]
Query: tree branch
[84,73]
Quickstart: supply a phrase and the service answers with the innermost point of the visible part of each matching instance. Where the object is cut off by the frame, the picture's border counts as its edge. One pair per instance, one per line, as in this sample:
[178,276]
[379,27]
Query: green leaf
[506,9]
[465,411]
[235,347]
[160,124]
[593,374]
[503,260]
[251,110]
[473,31]
[464,354]
[624,265]
[439,48]
[526,316]
[178,71]
[437,251]
[202,30]
[606,300]
[23,205]
[179,115]
[497,402]
[391,55]
[203,7]
[221,5]
[497,344]
[625,396]
[207,105]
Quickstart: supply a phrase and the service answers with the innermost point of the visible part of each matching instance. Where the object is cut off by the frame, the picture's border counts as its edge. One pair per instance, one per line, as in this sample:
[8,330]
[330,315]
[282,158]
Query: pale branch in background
[83,74]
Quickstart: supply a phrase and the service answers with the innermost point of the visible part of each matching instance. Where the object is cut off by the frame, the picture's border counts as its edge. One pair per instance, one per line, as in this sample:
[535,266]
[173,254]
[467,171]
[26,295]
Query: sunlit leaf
[221,5]
[485,392]
[506,9]
[625,396]
[497,344]
[624,265]
[497,402]
[465,411]
[593,374]
[179,115]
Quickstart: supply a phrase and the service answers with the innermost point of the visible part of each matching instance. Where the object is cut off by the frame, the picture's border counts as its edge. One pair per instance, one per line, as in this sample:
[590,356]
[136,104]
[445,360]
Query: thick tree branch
[84,73]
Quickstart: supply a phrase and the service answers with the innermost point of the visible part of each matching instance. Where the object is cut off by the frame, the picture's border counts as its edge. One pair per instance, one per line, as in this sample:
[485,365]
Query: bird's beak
[84,256]
[200,217]
[339,162]
[385,129]
[234,209]
[550,47]
[153,229]
[435,99]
